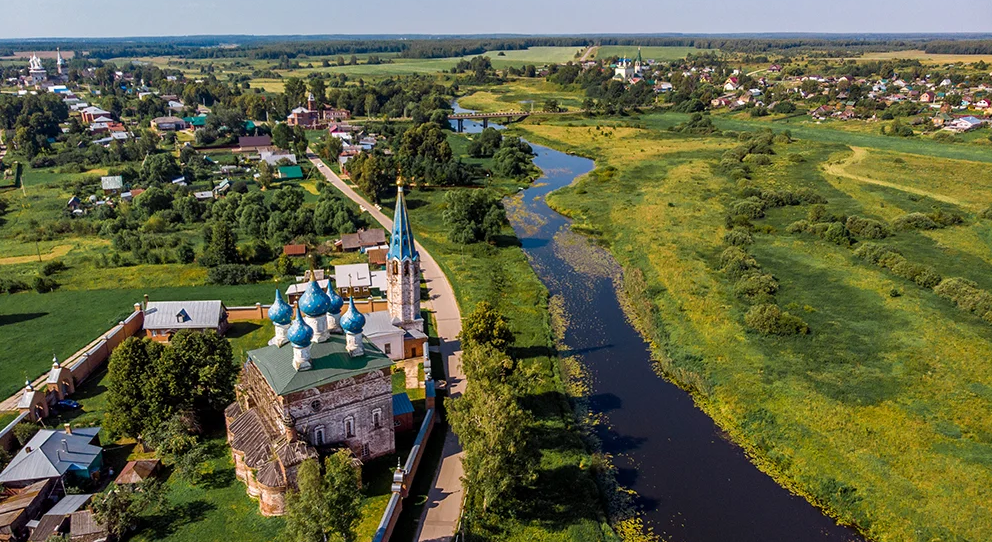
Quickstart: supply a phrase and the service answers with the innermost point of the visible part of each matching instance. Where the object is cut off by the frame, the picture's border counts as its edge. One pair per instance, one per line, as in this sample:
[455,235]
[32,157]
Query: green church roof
[330,360]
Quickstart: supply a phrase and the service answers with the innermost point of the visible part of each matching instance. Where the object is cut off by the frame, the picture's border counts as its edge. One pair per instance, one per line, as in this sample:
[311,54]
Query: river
[692,484]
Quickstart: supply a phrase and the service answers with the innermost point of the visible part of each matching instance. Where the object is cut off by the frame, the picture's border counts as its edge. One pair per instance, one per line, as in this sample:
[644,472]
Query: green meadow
[880,414]
[649,53]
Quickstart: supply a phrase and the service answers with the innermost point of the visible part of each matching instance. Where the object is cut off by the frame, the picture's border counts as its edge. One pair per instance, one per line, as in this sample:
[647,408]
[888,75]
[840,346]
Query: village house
[363,239]
[358,281]
[254,144]
[163,319]
[56,454]
[112,184]
[168,124]
[90,114]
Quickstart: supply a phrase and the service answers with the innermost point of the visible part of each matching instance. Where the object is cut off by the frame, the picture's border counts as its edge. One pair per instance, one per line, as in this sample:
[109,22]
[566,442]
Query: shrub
[986,213]
[235,273]
[914,221]
[816,213]
[797,158]
[769,319]
[751,208]
[867,228]
[778,198]
[10,286]
[52,267]
[799,226]
[836,233]
[736,262]
[756,287]
[922,275]
[24,431]
[738,238]
[43,285]
[967,296]
[944,219]
[185,254]
[758,159]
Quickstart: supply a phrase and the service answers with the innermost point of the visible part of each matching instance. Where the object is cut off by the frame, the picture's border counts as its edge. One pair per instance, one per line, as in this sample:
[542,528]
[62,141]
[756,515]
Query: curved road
[444,501]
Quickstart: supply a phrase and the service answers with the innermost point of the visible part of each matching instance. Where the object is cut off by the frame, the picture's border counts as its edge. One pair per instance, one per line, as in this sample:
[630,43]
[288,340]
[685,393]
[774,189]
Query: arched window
[396,267]
[406,268]
[318,436]
[377,418]
[349,427]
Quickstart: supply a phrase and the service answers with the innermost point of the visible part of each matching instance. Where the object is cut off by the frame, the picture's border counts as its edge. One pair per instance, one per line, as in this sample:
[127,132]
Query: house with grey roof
[112,184]
[163,319]
[55,454]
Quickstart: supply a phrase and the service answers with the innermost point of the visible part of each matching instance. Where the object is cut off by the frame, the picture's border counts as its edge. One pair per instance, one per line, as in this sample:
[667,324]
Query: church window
[315,406]
[406,268]
[318,436]
[377,418]
[396,267]
[349,427]
[387,349]
[365,450]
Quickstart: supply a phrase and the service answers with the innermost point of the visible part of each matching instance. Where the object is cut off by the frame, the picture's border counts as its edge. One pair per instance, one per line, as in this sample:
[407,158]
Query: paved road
[444,501]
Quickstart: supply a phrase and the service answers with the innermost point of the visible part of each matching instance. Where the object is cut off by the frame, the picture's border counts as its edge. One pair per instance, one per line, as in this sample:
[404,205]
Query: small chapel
[321,384]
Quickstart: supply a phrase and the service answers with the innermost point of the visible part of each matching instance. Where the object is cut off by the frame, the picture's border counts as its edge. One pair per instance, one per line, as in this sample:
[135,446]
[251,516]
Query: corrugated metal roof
[69,504]
[183,314]
[355,274]
[402,404]
[380,323]
[49,457]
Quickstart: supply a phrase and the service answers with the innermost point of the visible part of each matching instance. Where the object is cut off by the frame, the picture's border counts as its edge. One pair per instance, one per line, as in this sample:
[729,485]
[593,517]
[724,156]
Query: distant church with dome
[321,384]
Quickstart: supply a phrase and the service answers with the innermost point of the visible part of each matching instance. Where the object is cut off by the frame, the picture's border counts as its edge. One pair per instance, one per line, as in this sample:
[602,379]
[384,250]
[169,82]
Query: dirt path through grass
[57,252]
[589,51]
[839,169]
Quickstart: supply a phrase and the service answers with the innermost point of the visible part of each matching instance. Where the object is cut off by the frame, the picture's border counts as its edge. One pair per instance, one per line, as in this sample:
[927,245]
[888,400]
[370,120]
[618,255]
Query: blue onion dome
[280,312]
[300,334]
[352,321]
[314,301]
[337,302]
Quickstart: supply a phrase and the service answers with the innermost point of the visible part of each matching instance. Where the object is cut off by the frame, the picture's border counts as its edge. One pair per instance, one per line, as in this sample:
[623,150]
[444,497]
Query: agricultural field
[876,413]
[925,57]
[518,94]
[648,53]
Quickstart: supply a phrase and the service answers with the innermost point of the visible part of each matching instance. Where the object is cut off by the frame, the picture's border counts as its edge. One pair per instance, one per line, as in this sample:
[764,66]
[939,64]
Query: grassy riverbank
[876,415]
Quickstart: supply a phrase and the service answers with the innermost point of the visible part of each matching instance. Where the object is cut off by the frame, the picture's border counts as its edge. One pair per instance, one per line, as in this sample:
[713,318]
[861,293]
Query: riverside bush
[867,228]
[756,287]
[738,238]
[967,296]
[769,319]
[914,221]
[751,208]
[737,262]
[922,275]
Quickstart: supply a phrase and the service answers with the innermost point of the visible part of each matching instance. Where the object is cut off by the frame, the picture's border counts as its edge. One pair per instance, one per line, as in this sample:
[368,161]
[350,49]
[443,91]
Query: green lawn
[36,326]
[878,414]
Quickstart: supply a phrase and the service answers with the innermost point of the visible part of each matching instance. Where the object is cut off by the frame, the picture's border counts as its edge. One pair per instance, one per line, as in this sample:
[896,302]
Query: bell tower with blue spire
[403,271]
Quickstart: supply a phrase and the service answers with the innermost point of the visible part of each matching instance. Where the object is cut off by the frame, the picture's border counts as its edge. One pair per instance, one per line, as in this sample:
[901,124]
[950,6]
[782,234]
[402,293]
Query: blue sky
[95,18]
